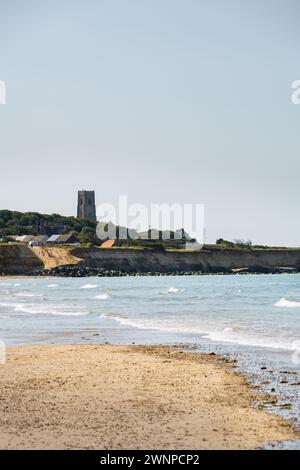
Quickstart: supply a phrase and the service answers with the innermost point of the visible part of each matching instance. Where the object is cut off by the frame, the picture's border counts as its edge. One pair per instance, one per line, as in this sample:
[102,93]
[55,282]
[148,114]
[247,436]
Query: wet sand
[128,397]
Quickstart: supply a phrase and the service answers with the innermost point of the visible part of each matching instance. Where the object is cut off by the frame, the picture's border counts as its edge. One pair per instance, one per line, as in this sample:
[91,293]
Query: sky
[164,101]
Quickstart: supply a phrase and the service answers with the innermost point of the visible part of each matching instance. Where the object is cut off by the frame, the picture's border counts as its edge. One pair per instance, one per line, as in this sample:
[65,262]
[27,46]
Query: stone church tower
[86,208]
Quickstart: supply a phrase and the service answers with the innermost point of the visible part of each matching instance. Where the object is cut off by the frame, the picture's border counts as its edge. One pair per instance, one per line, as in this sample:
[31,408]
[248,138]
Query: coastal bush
[19,223]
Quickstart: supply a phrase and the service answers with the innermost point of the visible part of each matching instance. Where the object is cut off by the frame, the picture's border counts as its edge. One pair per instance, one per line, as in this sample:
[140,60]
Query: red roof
[108,244]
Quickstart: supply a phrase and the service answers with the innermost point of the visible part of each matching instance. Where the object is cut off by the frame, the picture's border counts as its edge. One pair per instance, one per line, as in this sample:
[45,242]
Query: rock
[288,372]
[285,406]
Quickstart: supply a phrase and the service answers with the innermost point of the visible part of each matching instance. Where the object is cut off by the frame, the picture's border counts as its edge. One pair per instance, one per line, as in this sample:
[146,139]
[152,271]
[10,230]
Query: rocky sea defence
[85,271]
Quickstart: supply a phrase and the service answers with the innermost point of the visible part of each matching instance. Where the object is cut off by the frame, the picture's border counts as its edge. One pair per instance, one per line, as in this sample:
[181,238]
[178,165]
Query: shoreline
[130,397]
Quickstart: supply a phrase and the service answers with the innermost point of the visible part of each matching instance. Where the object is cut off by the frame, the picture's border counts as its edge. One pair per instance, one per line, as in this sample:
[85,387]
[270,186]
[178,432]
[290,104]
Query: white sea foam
[287,303]
[89,286]
[245,340]
[27,294]
[50,310]
[172,290]
[52,285]
[227,335]
[102,296]
[70,313]
[123,320]
[228,329]
[10,304]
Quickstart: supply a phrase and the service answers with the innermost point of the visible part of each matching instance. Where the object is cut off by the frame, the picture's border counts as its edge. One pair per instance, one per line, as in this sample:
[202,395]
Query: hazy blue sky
[162,100]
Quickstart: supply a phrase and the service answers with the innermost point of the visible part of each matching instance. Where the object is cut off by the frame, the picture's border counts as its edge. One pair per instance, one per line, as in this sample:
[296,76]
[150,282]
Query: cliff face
[18,259]
[205,260]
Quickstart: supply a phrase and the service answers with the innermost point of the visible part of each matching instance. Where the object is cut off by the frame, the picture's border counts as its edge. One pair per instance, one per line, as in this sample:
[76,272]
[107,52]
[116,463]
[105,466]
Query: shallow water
[255,319]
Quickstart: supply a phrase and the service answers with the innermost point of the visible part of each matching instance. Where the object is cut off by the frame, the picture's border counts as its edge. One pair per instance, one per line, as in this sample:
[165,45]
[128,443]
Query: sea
[251,320]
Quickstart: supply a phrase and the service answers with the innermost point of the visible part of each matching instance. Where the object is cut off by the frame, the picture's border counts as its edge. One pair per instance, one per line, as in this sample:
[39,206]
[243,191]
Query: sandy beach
[128,397]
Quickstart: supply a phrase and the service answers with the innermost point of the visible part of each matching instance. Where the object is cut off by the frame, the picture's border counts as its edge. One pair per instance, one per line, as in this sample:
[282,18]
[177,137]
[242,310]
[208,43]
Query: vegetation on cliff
[32,223]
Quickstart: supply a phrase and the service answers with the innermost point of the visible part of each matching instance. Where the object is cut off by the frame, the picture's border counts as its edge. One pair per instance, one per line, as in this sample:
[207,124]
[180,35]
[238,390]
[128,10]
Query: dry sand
[127,397]
[52,257]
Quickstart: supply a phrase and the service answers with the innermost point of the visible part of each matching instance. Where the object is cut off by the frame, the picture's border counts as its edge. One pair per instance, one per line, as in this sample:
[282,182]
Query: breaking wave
[228,335]
[27,294]
[287,303]
[172,290]
[123,320]
[50,310]
[102,296]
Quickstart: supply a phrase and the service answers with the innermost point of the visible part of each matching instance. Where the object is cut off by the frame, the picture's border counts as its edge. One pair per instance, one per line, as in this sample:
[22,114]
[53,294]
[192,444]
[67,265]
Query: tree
[243,243]
[87,235]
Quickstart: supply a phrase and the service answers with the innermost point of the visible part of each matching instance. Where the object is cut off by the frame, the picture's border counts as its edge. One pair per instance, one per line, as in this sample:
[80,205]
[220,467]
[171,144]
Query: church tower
[86,208]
